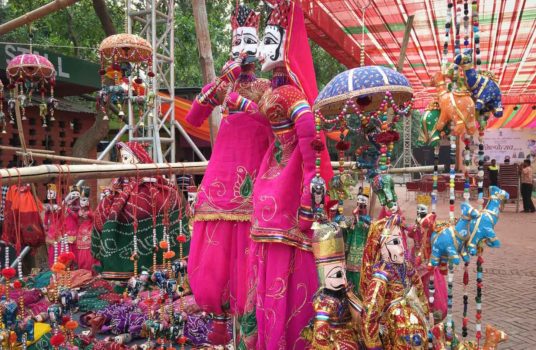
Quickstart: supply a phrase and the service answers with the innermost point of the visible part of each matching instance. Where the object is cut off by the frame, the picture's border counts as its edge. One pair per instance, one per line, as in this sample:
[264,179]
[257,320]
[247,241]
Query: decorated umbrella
[27,74]
[124,60]
[367,86]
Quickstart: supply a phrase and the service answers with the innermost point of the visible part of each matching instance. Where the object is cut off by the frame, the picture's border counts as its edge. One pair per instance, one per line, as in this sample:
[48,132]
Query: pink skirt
[84,259]
[286,282]
[217,265]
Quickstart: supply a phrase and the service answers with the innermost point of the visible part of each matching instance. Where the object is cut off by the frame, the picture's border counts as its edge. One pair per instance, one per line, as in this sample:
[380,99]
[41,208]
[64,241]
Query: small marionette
[393,296]
[84,259]
[355,240]
[72,208]
[332,324]
[51,220]
[421,233]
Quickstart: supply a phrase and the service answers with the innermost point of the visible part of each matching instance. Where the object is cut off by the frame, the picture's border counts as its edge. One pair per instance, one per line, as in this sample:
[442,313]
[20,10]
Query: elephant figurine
[384,187]
[11,108]
[55,313]
[429,135]
[137,284]
[485,91]
[176,327]
[454,106]
[178,267]
[9,313]
[25,327]
[69,300]
[52,105]
[340,186]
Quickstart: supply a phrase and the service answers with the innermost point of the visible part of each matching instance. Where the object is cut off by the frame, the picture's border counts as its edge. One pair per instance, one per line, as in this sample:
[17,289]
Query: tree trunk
[99,130]
[102,13]
[91,138]
[205,58]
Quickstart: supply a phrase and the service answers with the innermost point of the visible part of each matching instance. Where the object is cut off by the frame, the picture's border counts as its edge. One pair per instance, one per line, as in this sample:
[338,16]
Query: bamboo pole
[205,59]
[67,159]
[36,14]
[11,148]
[49,172]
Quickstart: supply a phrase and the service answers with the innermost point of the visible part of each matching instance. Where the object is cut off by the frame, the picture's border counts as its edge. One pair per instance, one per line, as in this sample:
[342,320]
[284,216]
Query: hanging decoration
[31,74]
[126,61]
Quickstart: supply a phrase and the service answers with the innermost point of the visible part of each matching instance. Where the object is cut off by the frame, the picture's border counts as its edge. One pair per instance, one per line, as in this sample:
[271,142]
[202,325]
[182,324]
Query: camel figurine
[485,91]
[493,338]
[455,106]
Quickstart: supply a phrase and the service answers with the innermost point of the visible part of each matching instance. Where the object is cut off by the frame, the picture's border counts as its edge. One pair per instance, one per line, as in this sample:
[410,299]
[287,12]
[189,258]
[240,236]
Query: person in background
[493,173]
[507,160]
[526,186]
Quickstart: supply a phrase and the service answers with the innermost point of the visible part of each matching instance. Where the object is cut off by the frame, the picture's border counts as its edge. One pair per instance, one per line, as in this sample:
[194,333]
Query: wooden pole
[67,159]
[404,46]
[205,58]
[49,172]
[11,148]
[36,14]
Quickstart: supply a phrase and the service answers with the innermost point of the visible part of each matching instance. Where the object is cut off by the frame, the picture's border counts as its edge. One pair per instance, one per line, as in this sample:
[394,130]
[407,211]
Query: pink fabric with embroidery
[283,273]
[71,229]
[218,250]
[84,259]
[240,145]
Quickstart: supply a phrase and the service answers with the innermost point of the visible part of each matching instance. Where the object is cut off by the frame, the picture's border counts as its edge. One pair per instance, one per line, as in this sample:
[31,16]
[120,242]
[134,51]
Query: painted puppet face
[128,158]
[245,41]
[422,210]
[271,52]
[334,276]
[392,249]
[51,194]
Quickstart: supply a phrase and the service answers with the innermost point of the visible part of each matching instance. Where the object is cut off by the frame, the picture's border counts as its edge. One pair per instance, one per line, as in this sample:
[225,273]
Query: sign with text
[69,69]
[512,143]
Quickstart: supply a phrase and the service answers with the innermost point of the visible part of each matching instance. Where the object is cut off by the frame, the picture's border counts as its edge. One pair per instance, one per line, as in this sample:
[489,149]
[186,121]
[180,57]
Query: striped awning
[507,32]
[515,116]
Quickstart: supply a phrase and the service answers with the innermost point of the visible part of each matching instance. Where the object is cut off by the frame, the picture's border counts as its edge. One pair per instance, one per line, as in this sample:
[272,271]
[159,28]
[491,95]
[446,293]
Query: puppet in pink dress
[217,264]
[283,265]
[84,258]
[70,224]
[52,221]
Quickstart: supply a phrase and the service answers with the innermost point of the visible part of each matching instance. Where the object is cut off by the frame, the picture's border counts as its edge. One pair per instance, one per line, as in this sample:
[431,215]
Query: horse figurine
[449,243]
[455,106]
[488,219]
[485,91]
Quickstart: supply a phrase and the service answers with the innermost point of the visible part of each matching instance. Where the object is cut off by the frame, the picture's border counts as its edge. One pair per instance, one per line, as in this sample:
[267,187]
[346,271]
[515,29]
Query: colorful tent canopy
[522,117]
[507,36]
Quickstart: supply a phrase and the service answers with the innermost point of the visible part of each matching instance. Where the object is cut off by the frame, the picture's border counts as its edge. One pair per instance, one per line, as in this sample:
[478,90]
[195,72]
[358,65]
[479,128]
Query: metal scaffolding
[154,20]
[406,159]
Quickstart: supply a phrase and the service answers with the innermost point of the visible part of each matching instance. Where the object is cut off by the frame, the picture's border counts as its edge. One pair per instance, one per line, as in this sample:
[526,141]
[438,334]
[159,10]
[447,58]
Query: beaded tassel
[452,175]
[476,34]
[465,299]
[478,297]
[467,162]
[466,23]
[449,321]
[448,25]
[435,177]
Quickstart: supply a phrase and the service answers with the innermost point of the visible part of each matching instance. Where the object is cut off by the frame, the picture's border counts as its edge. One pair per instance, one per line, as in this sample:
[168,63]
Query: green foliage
[78,25]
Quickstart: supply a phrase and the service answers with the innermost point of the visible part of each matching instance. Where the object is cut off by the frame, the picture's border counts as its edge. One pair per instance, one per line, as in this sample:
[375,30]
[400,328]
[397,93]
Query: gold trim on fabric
[221,216]
[303,246]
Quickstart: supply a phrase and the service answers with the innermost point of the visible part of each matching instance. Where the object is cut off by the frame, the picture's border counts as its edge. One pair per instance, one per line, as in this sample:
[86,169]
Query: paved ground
[509,291]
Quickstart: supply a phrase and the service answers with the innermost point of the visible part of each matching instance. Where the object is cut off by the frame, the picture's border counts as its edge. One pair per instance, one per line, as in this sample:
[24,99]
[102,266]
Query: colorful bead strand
[449,323]
[448,25]
[476,33]
[466,23]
